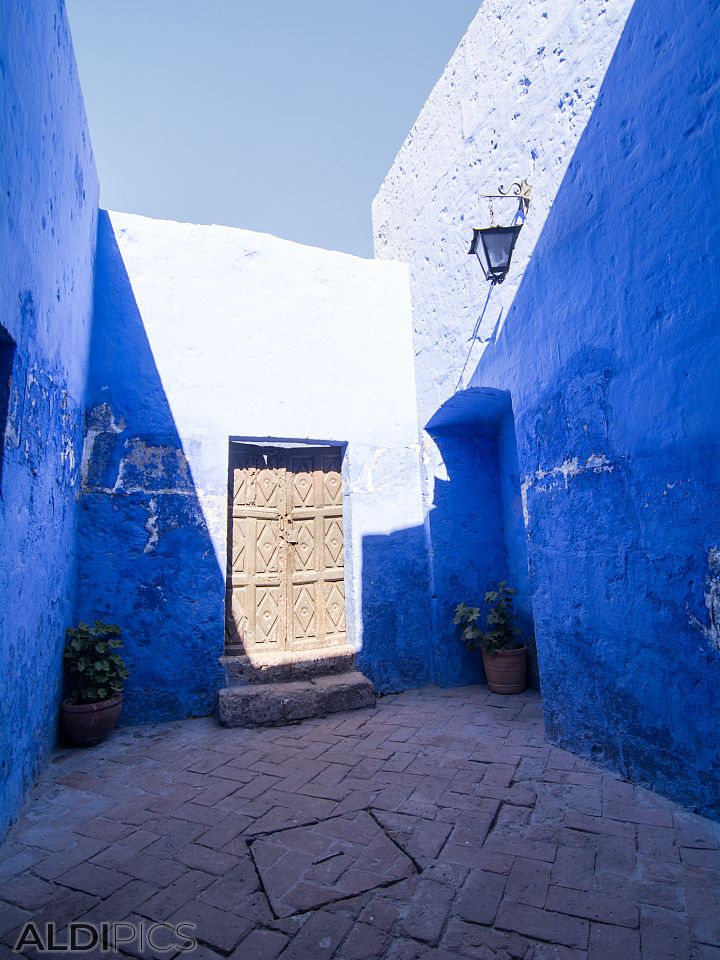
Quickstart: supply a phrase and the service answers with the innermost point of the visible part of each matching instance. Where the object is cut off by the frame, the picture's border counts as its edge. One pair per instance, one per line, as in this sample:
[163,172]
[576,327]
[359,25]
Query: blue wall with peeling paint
[47,238]
[190,347]
[583,462]
[617,407]
[610,351]
[145,558]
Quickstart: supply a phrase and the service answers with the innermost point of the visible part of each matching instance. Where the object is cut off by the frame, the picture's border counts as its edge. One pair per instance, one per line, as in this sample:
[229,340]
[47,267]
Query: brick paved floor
[438,825]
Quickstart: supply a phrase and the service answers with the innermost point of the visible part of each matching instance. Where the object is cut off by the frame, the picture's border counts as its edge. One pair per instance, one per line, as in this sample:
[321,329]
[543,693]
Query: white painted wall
[512,103]
[254,336]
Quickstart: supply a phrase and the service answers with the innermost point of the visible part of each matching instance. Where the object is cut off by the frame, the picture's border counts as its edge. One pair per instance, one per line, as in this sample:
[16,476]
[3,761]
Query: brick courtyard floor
[439,825]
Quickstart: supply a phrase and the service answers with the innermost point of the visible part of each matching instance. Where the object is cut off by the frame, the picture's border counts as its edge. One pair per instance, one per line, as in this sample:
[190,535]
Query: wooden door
[285,583]
[256,599]
[316,586]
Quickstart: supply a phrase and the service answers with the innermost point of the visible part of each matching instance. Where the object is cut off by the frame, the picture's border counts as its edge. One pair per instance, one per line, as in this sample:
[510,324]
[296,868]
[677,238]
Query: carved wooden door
[285,586]
[314,534]
[256,600]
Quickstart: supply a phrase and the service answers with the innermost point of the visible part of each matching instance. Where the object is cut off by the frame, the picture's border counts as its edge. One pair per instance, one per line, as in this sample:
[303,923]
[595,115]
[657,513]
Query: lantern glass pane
[498,243]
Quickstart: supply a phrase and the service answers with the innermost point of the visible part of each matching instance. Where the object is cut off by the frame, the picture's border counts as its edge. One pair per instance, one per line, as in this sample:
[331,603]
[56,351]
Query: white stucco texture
[258,337]
[511,104]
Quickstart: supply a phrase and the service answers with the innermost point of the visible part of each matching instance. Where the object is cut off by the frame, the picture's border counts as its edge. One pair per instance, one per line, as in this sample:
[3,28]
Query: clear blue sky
[279,116]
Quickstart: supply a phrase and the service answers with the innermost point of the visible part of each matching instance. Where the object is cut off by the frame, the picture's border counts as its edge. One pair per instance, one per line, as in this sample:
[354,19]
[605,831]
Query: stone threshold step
[266,704]
[286,666]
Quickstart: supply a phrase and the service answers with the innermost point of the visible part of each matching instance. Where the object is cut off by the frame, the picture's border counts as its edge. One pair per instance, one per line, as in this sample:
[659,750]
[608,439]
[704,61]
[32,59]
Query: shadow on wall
[476,529]
[612,353]
[474,537]
[145,557]
[396,647]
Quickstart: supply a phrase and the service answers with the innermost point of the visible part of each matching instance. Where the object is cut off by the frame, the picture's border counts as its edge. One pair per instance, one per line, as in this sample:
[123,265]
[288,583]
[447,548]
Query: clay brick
[474,940]
[660,842]
[529,881]
[224,832]
[428,839]
[480,897]
[699,857]
[27,892]
[196,813]
[206,859]
[92,879]
[574,867]
[616,855]
[470,890]
[543,924]
[665,935]
[160,904]
[103,829]
[16,861]
[600,825]
[364,941]
[668,895]
[217,928]
[532,849]
[76,853]
[319,937]
[703,905]
[635,813]
[608,942]
[65,906]
[261,945]
[428,912]
[141,866]
[593,906]
[115,853]
[125,901]
[696,831]
[380,912]
[12,918]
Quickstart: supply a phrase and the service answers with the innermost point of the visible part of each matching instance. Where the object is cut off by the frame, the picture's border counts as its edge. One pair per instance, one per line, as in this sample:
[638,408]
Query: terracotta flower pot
[506,670]
[89,723]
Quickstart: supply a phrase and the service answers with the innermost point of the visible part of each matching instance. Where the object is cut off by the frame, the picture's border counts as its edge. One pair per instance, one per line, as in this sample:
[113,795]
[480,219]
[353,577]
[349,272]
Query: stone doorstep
[285,667]
[255,705]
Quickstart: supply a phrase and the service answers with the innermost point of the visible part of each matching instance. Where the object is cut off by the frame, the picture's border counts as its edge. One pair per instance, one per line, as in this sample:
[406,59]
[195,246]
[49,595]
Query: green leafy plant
[500,621]
[93,670]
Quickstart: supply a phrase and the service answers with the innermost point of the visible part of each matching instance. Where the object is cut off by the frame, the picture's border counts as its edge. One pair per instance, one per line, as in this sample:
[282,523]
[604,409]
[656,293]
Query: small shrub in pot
[95,675]
[504,657]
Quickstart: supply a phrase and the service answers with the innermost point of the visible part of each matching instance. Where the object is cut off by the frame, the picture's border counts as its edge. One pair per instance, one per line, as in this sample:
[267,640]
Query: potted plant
[94,678]
[504,657]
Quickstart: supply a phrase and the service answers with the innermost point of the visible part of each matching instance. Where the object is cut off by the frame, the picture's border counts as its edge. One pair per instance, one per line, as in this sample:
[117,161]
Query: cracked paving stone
[307,867]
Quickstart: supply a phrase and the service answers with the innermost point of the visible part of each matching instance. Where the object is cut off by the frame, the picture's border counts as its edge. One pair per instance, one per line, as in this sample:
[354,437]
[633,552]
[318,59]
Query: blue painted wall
[190,347]
[474,536]
[145,558]
[47,238]
[475,529]
[515,538]
[586,467]
[611,351]
[467,549]
[396,651]
[608,345]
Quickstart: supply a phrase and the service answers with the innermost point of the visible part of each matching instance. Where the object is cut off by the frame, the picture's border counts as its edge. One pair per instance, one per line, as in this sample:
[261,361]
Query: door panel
[335,610]
[315,559]
[285,550]
[256,601]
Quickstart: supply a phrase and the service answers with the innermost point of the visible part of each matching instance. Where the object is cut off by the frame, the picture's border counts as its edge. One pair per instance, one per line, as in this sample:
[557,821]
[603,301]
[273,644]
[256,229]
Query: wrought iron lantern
[497,243]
